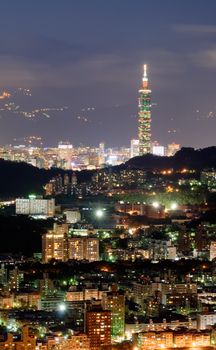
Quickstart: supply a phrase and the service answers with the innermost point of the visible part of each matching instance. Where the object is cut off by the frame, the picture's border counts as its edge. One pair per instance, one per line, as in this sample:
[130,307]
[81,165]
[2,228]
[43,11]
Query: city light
[107,245]
[32,196]
[99,213]
[174,206]
[62,307]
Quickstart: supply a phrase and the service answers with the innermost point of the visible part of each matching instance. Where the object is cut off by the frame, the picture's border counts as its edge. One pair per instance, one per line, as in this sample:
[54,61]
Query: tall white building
[134,148]
[35,206]
[101,153]
[158,150]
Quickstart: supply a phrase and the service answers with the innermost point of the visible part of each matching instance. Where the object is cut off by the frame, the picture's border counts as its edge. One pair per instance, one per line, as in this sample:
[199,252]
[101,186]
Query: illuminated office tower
[115,302]
[144,116]
[98,327]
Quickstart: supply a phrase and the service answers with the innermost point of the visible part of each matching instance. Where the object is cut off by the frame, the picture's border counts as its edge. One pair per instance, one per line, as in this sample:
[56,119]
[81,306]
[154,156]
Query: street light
[99,213]
[62,307]
[174,206]
[155,205]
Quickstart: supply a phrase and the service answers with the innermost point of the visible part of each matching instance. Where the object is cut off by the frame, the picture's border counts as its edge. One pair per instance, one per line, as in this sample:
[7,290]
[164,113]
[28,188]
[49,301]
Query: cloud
[90,69]
[205,58]
[195,28]
[18,71]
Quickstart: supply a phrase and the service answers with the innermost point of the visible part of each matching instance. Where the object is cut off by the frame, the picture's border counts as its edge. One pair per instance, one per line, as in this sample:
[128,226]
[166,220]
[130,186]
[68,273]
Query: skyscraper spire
[145,77]
[144,115]
[145,71]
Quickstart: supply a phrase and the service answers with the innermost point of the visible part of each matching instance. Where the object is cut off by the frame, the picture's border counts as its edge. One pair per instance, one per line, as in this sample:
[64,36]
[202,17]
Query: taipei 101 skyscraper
[144,116]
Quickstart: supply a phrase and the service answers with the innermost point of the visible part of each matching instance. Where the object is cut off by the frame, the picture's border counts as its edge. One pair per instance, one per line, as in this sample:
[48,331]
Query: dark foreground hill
[20,179]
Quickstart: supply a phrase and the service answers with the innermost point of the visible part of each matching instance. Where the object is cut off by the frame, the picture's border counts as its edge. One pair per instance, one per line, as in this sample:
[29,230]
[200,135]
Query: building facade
[98,328]
[115,302]
[35,206]
[83,248]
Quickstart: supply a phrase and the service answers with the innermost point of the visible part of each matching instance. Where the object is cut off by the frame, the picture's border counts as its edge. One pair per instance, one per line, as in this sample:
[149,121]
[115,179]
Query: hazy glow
[174,206]
[62,307]
[99,213]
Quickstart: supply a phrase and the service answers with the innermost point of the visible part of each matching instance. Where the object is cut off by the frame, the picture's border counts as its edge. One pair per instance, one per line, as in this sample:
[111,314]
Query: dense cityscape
[104,246]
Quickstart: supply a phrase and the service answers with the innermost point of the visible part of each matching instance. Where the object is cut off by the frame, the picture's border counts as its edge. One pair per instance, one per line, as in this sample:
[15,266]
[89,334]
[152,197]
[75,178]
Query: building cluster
[137,286]
[59,245]
[129,181]
[67,157]
[89,309]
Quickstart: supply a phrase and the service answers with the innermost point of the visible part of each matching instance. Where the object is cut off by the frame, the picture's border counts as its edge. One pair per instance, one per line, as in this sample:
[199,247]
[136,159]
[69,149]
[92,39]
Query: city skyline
[108,175]
[67,62]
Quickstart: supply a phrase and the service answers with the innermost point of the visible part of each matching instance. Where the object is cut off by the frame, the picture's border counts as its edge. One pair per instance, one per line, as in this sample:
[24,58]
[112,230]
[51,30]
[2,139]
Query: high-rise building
[115,302]
[101,153]
[65,152]
[134,148]
[98,327]
[81,248]
[158,150]
[144,116]
[91,249]
[54,244]
[15,277]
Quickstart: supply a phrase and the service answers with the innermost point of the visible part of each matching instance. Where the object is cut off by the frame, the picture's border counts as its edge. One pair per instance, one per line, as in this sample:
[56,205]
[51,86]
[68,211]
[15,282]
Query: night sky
[87,55]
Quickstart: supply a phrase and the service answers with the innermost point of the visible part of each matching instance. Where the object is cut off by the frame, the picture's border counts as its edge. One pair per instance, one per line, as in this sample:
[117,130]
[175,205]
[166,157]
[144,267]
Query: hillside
[185,158]
[20,179]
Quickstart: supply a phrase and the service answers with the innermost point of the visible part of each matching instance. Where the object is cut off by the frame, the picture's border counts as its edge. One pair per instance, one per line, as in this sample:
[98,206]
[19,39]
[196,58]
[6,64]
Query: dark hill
[185,158]
[21,179]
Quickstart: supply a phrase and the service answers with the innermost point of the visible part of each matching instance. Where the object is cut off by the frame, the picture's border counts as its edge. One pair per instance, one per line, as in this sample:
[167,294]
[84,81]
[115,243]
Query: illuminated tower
[98,327]
[144,116]
[115,302]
